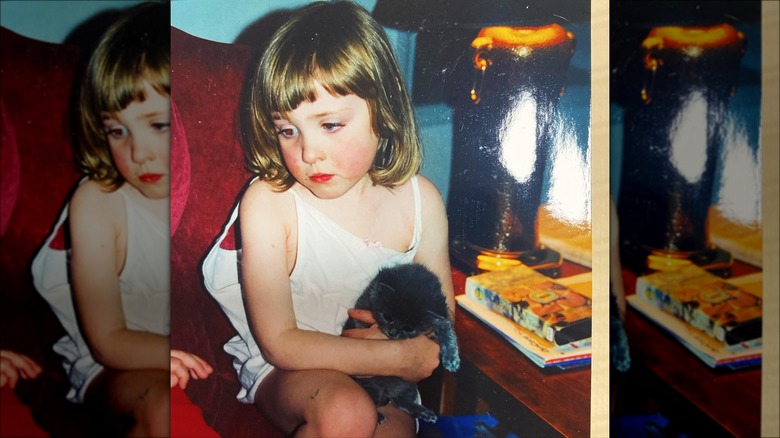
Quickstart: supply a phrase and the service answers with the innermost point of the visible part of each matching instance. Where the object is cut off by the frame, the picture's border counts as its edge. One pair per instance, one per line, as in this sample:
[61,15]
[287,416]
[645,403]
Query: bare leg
[321,403]
[397,423]
[141,397]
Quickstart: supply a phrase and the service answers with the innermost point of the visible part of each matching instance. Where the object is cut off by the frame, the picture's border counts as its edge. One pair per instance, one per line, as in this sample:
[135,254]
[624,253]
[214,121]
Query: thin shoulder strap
[417,206]
[61,219]
[232,220]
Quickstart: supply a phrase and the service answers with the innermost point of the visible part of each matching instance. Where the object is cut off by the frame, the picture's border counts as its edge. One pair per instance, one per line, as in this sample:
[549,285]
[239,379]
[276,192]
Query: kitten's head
[406,301]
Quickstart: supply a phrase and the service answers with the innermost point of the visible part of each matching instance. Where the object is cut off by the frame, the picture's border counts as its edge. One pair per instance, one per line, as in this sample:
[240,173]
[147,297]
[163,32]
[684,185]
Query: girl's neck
[160,208]
[354,197]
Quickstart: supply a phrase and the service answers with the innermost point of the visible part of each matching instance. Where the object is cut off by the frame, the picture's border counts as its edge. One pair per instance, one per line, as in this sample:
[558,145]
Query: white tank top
[332,269]
[144,283]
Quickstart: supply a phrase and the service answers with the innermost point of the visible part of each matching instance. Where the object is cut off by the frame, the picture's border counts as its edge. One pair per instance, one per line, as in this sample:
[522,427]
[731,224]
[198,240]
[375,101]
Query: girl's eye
[287,132]
[161,126]
[116,132]
[330,127]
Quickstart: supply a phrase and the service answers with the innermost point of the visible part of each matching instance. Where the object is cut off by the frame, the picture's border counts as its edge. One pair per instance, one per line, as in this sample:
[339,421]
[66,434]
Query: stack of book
[718,320]
[546,319]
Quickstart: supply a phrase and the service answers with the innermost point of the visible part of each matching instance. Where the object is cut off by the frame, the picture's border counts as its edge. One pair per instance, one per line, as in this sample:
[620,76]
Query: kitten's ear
[384,288]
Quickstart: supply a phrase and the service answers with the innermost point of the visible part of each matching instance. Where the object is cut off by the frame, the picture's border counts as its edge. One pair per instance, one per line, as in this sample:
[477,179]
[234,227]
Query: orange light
[514,37]
[493,263]
[691,37]
[666,263]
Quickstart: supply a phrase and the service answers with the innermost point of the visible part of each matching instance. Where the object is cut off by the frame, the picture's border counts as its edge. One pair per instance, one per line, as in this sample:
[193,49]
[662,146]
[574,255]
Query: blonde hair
[345,50]
[133,51]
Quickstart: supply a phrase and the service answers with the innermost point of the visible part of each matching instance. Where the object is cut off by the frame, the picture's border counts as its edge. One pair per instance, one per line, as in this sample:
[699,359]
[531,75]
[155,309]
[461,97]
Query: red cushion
[37,78]
[17,418]
[9,169]
[207,79]
[37,83]
[180,168]
[186,417]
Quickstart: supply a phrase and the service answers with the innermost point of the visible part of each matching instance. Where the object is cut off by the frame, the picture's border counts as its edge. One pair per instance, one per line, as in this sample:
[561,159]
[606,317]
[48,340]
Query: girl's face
[139,138]
[328,145]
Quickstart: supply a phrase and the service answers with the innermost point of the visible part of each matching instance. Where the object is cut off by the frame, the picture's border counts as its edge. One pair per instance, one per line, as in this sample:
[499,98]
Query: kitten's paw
[451,364]
[450,358]
[428,416]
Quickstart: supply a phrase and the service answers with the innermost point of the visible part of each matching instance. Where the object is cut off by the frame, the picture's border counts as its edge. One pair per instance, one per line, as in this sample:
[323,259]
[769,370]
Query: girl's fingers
[197,367]
[26,367]
[9,373]
[179,376]
[362,315]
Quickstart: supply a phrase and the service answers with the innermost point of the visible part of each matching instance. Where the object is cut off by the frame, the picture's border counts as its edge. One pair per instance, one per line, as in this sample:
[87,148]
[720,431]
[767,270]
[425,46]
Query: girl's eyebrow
[328,113]
[152,114]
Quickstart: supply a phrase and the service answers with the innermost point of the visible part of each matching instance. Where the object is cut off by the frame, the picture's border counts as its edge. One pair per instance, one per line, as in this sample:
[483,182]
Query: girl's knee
[152,413]
[343,411]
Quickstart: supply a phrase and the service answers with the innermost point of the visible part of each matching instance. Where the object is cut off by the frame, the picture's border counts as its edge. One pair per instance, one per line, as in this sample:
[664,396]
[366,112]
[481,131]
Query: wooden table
[527,400]
[686,391]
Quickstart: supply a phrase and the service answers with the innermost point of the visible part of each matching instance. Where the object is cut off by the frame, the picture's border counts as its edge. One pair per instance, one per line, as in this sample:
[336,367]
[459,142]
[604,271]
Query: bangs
[133,51]
[121,84]
[328,55]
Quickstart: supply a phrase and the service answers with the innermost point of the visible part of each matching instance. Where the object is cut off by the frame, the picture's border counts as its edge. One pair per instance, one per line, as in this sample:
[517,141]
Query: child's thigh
[397,423]
[131,393]
[292,398]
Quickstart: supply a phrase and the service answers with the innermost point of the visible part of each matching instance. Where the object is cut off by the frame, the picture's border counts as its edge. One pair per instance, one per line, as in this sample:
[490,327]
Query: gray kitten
[406,301]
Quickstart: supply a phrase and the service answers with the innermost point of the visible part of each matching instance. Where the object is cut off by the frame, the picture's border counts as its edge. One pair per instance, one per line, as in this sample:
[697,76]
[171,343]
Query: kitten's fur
[406,301]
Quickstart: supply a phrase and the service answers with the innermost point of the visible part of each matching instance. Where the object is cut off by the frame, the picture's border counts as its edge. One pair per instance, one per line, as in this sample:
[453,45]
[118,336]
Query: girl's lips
[320,178]
[150,177]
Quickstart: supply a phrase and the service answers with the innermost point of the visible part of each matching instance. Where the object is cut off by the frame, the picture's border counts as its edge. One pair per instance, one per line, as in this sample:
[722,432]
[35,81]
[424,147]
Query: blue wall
[52,21]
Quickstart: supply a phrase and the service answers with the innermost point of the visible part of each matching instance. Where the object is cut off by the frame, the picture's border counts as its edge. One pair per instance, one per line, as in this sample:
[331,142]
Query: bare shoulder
[428,191]
[266,211]
[432,202]
[263,196]
[92,199]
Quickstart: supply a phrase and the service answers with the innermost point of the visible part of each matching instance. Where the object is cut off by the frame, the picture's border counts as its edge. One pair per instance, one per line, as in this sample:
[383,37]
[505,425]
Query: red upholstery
[38,174]
[187,418]
[208,174]
[22,424]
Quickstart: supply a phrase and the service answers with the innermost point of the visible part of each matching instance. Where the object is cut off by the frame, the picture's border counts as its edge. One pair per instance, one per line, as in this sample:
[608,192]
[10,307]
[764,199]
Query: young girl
[336,152]
[114,301]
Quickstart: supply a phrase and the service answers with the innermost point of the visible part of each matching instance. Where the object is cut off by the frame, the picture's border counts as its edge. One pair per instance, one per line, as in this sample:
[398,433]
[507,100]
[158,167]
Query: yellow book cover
[707,302]
[545,307]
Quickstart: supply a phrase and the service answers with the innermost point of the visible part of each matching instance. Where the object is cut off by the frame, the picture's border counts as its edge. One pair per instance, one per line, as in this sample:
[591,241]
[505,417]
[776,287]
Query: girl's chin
[163,192]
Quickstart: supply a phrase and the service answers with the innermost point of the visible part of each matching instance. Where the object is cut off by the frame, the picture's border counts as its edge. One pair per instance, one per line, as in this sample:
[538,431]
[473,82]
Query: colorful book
[545,307]
[719,309]
[709,350]
[541,352]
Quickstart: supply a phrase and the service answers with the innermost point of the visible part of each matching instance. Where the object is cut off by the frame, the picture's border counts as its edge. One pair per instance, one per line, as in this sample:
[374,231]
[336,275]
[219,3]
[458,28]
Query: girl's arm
[434,247]
[266,218]
[98,238]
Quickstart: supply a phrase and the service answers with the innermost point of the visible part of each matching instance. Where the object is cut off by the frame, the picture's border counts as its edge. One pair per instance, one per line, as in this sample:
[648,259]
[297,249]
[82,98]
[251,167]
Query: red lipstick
[150,177]
[320,178]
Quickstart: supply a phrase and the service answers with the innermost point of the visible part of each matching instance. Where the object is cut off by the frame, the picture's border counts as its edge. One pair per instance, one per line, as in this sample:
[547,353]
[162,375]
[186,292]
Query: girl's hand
[366,317]
[14,365]
[420,354]
[422,358]
[185,365]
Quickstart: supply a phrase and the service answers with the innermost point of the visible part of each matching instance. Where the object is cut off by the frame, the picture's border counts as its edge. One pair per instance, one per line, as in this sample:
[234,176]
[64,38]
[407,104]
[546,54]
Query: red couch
[208,174]
[37,174]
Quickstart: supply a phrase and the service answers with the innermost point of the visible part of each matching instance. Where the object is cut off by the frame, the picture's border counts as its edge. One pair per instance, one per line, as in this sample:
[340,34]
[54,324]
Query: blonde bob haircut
[343,48]
[133,51]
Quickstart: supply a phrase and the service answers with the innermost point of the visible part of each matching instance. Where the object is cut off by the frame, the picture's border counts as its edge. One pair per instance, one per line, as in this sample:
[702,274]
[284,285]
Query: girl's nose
[142,151]
[311,152]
